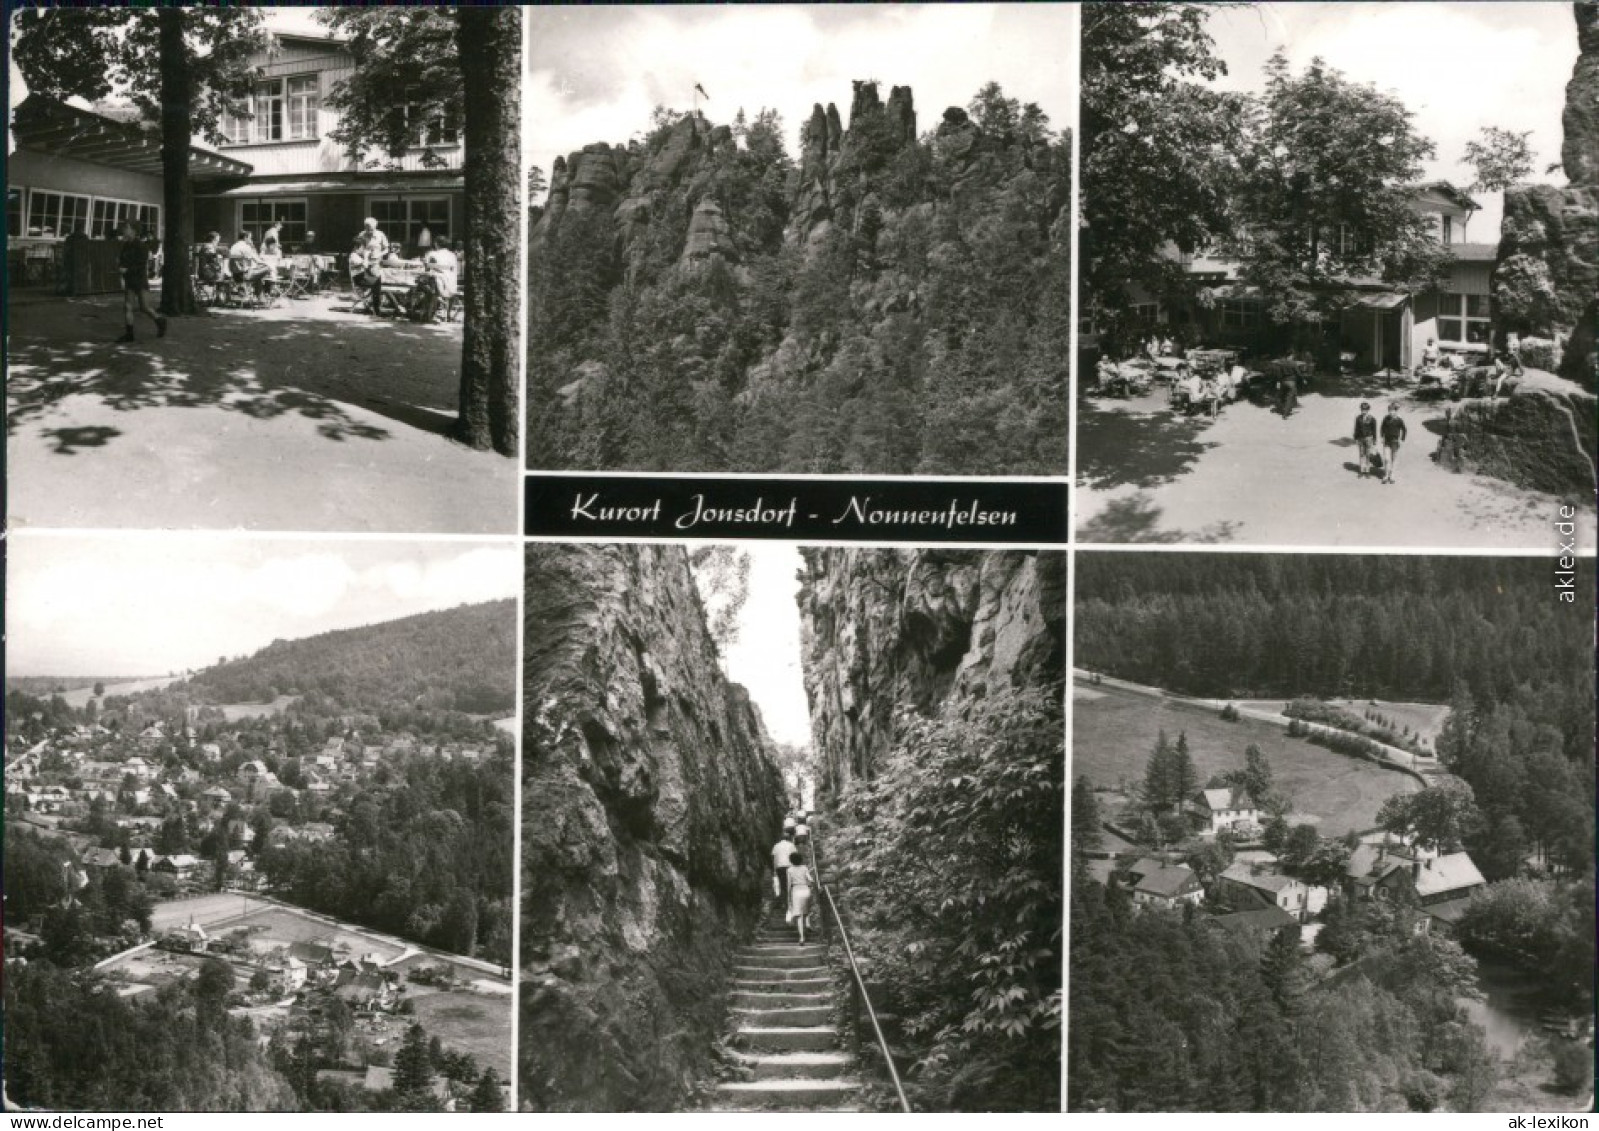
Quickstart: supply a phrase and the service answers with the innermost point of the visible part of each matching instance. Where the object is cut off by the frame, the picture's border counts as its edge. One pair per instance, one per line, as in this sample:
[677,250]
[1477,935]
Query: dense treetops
[893,304]
[461,659]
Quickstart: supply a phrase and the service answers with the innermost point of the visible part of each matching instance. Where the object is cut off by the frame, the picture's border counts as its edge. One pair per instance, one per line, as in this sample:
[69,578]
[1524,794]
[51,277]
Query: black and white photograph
[264,268]
[792,829]
[259,828]
[796,238]
[1332,834]
[1338,274]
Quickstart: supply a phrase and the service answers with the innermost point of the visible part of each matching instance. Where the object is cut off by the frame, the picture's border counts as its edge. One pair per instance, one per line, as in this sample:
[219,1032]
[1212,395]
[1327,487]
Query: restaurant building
[74,174]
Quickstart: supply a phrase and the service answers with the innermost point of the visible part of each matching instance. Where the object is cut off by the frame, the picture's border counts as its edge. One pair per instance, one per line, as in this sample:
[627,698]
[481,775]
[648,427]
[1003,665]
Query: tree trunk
[489,42]
[177,198]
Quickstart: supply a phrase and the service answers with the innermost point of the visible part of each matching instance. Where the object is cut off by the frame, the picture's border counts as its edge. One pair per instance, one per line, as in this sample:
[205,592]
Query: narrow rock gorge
[650,797]
[888,630]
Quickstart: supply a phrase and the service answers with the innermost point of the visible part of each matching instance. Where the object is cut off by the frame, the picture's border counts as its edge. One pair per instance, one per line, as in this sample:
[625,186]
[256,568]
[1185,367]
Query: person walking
[1393,435]
[1288,392]
[799,893]
[782,853]
[1365,436]
[133,260]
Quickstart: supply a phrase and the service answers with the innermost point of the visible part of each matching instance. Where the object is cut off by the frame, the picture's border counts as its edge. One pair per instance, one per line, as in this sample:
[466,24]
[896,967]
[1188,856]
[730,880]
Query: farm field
[1114,731]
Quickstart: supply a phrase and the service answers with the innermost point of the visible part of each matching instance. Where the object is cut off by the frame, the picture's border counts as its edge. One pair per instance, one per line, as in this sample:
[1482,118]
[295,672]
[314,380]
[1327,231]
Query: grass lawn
[1114,732]
[468,1022]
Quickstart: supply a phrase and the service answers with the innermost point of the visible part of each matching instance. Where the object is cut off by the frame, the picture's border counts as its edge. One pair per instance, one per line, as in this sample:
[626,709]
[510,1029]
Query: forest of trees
[74,1044]
[427,856]
[1169,1013]
[460,659]
[921,327]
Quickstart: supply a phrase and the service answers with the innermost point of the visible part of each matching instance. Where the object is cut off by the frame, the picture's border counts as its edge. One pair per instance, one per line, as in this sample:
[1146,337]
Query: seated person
[248,266]
[442,264]
[208,265]
[1187,387]
[1430,355]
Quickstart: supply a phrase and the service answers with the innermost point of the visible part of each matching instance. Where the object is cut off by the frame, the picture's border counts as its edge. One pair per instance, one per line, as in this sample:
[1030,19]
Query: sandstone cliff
[649,801]
[1547,275]
[883,630]
[701,299]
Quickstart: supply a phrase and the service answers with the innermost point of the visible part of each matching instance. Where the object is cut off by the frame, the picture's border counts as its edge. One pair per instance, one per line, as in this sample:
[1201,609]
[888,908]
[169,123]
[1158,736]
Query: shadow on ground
[304,360]
[1116,449]
[1136,519]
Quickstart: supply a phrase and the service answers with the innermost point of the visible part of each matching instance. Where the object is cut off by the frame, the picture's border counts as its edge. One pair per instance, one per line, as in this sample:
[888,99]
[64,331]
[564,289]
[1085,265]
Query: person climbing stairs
[781,1017]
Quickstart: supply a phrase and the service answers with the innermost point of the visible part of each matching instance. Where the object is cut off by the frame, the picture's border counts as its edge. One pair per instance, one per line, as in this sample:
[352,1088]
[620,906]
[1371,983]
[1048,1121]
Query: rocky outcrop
[708,234]
[886,630]
[832,156]
[1547,275]
[649,797]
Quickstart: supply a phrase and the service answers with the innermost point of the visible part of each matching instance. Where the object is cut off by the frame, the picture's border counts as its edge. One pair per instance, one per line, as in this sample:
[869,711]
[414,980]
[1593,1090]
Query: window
[403,220]
[54,215]
[1145,313]
[1448,225]
[16,222]
[1240,313]
[284,109]
[109,216]
[305,101]
[435,125]
[1463,319]
[256,216]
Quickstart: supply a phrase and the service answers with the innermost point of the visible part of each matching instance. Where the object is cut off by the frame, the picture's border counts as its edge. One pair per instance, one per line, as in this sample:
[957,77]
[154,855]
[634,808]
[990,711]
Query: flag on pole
[701,90]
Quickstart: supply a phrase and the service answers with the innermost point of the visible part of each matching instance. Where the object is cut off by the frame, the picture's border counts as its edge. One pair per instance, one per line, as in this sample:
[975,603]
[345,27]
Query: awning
[48,126]
[354,182]
[1387,300]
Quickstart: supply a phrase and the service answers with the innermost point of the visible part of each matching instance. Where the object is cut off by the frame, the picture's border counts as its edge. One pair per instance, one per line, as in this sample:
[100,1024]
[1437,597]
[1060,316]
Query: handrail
[854,968]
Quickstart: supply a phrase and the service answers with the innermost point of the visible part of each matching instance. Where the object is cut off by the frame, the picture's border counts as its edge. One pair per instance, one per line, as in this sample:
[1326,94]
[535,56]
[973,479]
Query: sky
[1458,66]
[595,73]
[765,657]
[145,606]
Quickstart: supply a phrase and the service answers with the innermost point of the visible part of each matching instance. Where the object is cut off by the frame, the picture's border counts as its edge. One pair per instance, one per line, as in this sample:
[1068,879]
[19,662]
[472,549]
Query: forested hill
[461,659]
[886,302]
[1389,627]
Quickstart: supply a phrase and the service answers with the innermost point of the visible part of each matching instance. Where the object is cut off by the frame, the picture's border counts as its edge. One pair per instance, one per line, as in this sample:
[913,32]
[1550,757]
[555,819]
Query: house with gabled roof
[1440,884]
[1225,809]
[1274,889]
[1167,887]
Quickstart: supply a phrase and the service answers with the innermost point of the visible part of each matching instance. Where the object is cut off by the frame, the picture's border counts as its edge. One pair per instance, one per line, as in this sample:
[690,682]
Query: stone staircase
[780,1014]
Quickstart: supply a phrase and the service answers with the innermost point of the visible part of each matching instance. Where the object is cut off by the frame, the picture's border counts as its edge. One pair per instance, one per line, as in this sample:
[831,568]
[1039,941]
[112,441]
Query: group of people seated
[436,285]
[259,269]
[1468,376]
[1209,390]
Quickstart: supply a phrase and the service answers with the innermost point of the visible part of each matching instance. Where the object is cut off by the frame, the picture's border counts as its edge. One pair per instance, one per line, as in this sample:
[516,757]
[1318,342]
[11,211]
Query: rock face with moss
[649,799]
[890,630]
[1547,275]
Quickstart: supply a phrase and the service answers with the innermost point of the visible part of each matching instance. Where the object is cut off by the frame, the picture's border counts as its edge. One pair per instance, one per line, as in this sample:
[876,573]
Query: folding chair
[296,274]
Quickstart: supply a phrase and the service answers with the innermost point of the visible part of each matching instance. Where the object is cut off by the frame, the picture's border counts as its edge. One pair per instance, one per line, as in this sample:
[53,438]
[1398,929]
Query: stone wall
[649,800]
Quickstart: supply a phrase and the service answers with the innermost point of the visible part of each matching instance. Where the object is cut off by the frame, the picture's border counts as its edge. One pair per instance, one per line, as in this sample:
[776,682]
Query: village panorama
[281,882]
[1332,835]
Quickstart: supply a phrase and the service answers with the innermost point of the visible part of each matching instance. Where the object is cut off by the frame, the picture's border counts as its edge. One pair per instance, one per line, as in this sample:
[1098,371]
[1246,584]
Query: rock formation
[1547,275]
[883,630]
[649,801]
